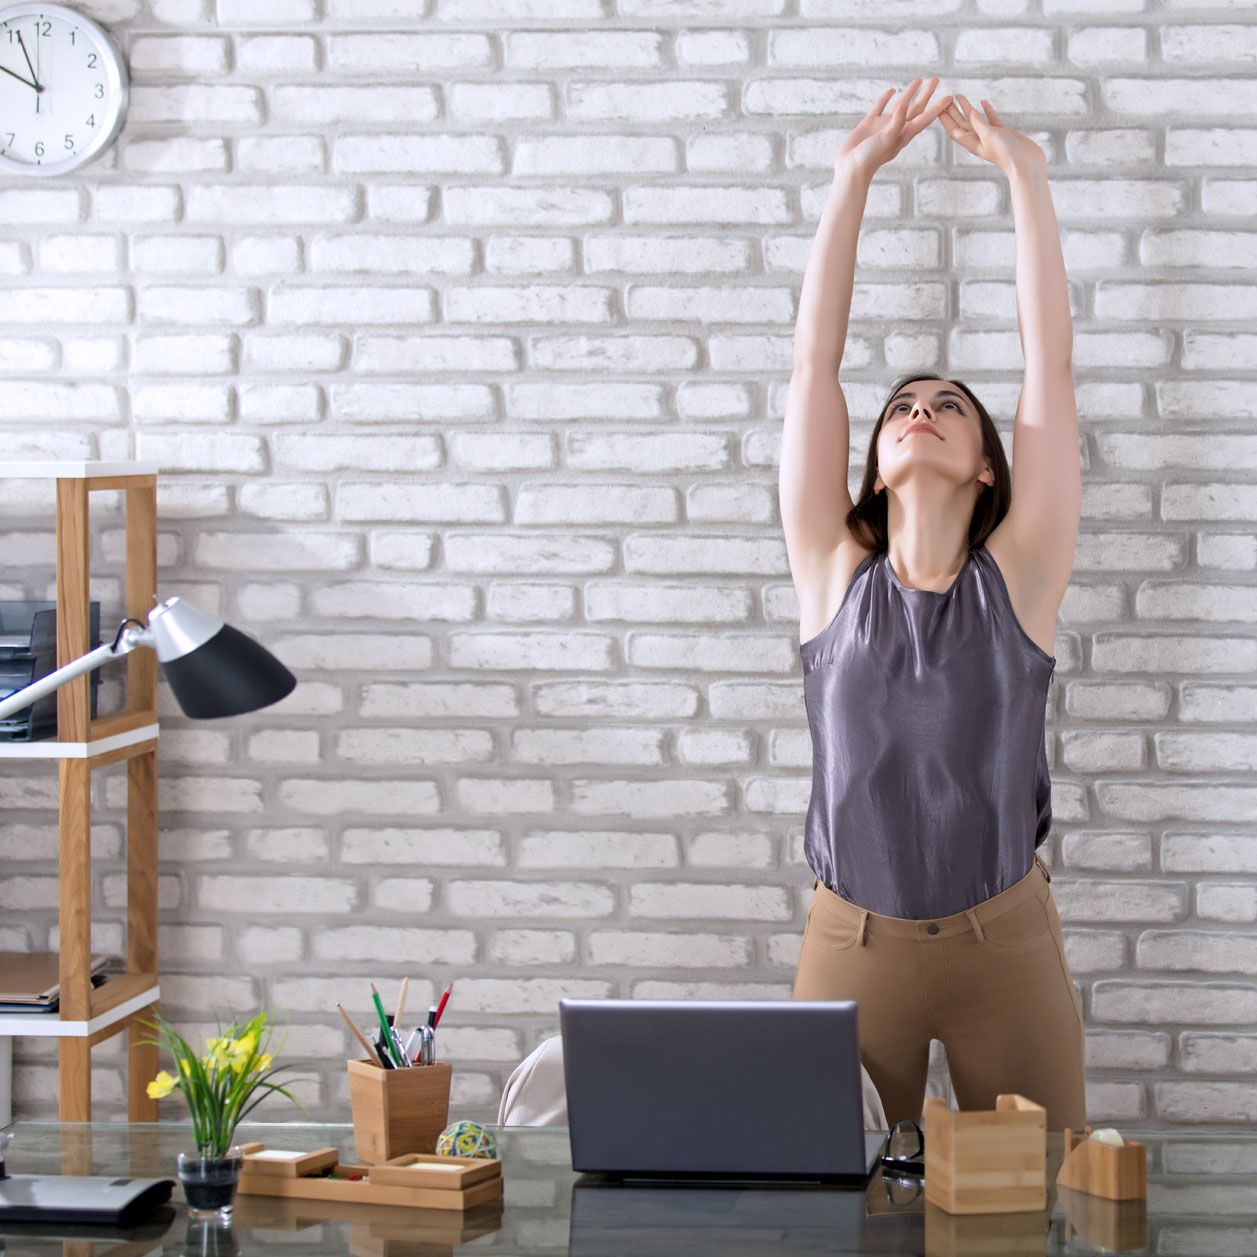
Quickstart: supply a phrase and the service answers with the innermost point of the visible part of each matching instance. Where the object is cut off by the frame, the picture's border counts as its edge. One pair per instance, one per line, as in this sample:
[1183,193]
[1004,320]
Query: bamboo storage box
[396,1111]
[986,1160]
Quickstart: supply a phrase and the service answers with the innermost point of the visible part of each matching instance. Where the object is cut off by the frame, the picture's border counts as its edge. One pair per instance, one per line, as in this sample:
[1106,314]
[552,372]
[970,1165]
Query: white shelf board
[50,748]
[47,1026]
[78,469]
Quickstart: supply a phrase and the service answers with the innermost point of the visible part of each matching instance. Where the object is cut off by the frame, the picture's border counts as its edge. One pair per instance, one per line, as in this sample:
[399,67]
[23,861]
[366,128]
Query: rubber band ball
[466,1139]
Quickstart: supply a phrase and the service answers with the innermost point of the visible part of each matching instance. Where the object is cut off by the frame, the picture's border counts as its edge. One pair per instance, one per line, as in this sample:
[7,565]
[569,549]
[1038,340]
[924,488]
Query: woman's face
[930,428]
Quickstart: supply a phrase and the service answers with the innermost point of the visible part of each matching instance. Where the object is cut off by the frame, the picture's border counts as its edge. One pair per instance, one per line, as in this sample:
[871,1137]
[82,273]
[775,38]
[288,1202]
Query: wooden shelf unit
[89,1015]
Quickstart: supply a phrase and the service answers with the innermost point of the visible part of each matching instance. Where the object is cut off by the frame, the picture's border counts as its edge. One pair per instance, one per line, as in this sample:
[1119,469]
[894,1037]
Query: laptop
[706,1089]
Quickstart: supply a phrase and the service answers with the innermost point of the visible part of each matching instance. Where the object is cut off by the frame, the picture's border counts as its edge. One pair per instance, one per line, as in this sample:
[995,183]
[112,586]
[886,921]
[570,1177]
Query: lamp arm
[127,640]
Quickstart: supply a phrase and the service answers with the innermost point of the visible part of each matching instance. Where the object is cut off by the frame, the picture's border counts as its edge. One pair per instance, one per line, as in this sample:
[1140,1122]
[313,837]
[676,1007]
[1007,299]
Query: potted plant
[220,1087]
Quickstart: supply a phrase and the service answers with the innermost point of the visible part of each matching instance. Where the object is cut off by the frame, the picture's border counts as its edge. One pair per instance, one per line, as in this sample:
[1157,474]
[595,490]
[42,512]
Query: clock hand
[31,68]
[20,79]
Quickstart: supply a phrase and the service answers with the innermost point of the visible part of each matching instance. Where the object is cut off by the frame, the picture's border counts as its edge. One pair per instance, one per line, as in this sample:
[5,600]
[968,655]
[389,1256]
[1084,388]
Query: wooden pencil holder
[986,1160]
[396,1111]
[1101,1169]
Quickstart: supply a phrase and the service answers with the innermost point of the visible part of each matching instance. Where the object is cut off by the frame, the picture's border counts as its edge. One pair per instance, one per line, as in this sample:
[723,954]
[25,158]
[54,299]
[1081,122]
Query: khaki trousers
[991,983]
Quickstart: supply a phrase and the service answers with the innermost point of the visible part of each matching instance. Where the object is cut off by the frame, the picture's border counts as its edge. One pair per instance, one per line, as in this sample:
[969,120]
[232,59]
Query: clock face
[63,89]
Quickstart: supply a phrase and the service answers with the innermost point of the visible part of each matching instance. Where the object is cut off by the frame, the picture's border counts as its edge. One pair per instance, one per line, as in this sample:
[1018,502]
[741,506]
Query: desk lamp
[212,668]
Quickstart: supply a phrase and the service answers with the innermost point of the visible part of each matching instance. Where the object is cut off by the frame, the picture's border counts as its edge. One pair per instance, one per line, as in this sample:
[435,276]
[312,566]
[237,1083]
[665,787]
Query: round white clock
[63,90]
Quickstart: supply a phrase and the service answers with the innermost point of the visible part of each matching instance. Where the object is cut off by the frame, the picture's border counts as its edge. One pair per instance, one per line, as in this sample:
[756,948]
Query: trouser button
[932,928]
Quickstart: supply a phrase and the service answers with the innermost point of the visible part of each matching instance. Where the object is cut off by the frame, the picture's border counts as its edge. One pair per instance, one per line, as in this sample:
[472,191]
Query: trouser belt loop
[864,920]
[1047,872]
[977,925]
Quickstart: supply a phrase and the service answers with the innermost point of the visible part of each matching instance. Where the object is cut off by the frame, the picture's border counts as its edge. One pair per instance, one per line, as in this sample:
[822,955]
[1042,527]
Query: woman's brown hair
[867,518]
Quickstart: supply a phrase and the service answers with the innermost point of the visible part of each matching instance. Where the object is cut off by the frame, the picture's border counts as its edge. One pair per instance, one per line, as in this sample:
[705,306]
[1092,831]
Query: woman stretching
[927,623]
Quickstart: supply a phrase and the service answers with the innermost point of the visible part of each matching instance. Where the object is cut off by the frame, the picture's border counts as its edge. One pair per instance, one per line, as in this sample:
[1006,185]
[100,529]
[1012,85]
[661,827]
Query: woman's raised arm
[1035,541]
[815,443]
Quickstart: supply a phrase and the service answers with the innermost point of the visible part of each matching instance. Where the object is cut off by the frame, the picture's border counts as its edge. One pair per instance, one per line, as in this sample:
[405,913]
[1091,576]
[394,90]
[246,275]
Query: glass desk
[1202,1199]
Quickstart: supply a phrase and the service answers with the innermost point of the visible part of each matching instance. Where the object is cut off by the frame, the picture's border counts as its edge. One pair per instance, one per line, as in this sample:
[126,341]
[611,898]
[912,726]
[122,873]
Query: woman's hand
[878,137]
[990,138]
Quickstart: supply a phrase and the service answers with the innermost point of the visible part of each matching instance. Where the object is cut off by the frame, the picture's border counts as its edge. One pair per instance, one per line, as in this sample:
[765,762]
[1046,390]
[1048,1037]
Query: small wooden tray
[415,1180]
[425,1169]
[260,1160]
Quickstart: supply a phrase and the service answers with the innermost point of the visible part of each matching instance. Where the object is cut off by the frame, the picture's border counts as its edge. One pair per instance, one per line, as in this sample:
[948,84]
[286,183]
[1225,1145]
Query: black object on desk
[77,1198]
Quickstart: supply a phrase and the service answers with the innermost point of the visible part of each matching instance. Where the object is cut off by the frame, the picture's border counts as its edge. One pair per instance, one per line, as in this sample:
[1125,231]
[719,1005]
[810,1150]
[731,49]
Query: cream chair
[535,1093]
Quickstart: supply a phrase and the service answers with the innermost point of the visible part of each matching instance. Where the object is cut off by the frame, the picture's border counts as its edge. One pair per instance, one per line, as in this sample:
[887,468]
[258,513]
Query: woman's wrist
[1025,170]
[847,173]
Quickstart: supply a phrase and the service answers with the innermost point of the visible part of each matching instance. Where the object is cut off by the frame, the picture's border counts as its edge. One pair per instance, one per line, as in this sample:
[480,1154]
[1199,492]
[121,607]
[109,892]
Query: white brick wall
[463,342]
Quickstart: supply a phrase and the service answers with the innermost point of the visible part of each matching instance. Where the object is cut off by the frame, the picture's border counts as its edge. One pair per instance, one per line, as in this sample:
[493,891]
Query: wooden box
[988,1160]
[396,1111]
[1101,1169]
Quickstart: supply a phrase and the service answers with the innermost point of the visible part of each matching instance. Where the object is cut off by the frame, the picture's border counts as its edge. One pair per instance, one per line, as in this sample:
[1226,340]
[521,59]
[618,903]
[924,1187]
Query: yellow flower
[264,1062]
[186,1066]
[162,1085]
[239,1051]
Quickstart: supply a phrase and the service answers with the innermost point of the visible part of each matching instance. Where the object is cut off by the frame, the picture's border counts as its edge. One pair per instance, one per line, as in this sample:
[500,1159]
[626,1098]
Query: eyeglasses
[899,1160]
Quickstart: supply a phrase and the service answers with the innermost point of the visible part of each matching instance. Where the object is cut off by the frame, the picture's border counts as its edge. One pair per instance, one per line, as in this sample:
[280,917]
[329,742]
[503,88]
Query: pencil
[379,1008]
[440,1008]
[362,1038]
[401,1003]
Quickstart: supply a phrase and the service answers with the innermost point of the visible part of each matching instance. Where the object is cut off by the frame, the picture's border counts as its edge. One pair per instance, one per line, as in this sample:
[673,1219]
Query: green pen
[389,1045]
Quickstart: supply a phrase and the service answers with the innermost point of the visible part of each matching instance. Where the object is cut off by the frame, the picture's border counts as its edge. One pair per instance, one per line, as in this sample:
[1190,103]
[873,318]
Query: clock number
[43,28]
[91,120]
[39,148]
[100,90]
[91,60]
[69,142]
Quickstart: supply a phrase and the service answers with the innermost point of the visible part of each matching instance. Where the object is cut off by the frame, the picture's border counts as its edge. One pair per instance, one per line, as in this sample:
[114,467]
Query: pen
[431,1016]
[384,1026]
[400,1051]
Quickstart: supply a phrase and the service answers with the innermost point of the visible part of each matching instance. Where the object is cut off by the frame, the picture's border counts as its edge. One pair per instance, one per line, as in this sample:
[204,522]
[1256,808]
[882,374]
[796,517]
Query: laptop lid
[738,1088]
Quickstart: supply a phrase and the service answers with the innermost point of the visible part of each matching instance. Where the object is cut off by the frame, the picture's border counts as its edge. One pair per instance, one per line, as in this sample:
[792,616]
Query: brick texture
[462,340]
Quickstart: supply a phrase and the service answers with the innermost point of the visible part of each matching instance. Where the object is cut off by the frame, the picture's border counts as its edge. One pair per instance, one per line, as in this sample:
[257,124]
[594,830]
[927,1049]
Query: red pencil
[440,1008]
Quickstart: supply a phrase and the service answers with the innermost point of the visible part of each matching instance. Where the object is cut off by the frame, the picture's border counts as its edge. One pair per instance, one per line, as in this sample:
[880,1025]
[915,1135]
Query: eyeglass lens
[905,1141]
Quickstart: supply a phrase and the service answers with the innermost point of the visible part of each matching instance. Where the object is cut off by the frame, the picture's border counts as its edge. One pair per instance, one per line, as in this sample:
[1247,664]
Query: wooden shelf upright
[89,1015]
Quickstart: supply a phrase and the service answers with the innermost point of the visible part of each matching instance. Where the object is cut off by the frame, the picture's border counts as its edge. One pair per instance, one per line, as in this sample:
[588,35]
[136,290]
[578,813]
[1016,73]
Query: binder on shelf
[28,651]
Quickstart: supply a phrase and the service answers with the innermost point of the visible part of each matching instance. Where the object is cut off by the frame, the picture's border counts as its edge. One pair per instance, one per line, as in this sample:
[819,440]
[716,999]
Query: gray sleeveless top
[930,786]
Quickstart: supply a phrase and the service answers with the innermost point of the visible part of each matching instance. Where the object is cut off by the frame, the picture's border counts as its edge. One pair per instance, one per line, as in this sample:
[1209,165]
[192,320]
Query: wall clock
[63,90]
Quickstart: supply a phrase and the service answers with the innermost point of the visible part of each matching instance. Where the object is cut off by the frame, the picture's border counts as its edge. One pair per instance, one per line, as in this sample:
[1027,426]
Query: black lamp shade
[214,669]
[230,674]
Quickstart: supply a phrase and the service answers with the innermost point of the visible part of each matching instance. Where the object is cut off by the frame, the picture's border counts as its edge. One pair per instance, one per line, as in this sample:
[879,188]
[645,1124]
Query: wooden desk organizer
[1104,1169]
[417,1181]
[988,1160]
[396,1111]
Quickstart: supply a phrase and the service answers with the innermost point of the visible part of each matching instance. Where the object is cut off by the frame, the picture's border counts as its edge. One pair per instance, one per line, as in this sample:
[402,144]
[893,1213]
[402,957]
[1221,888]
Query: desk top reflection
[1202,1197]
